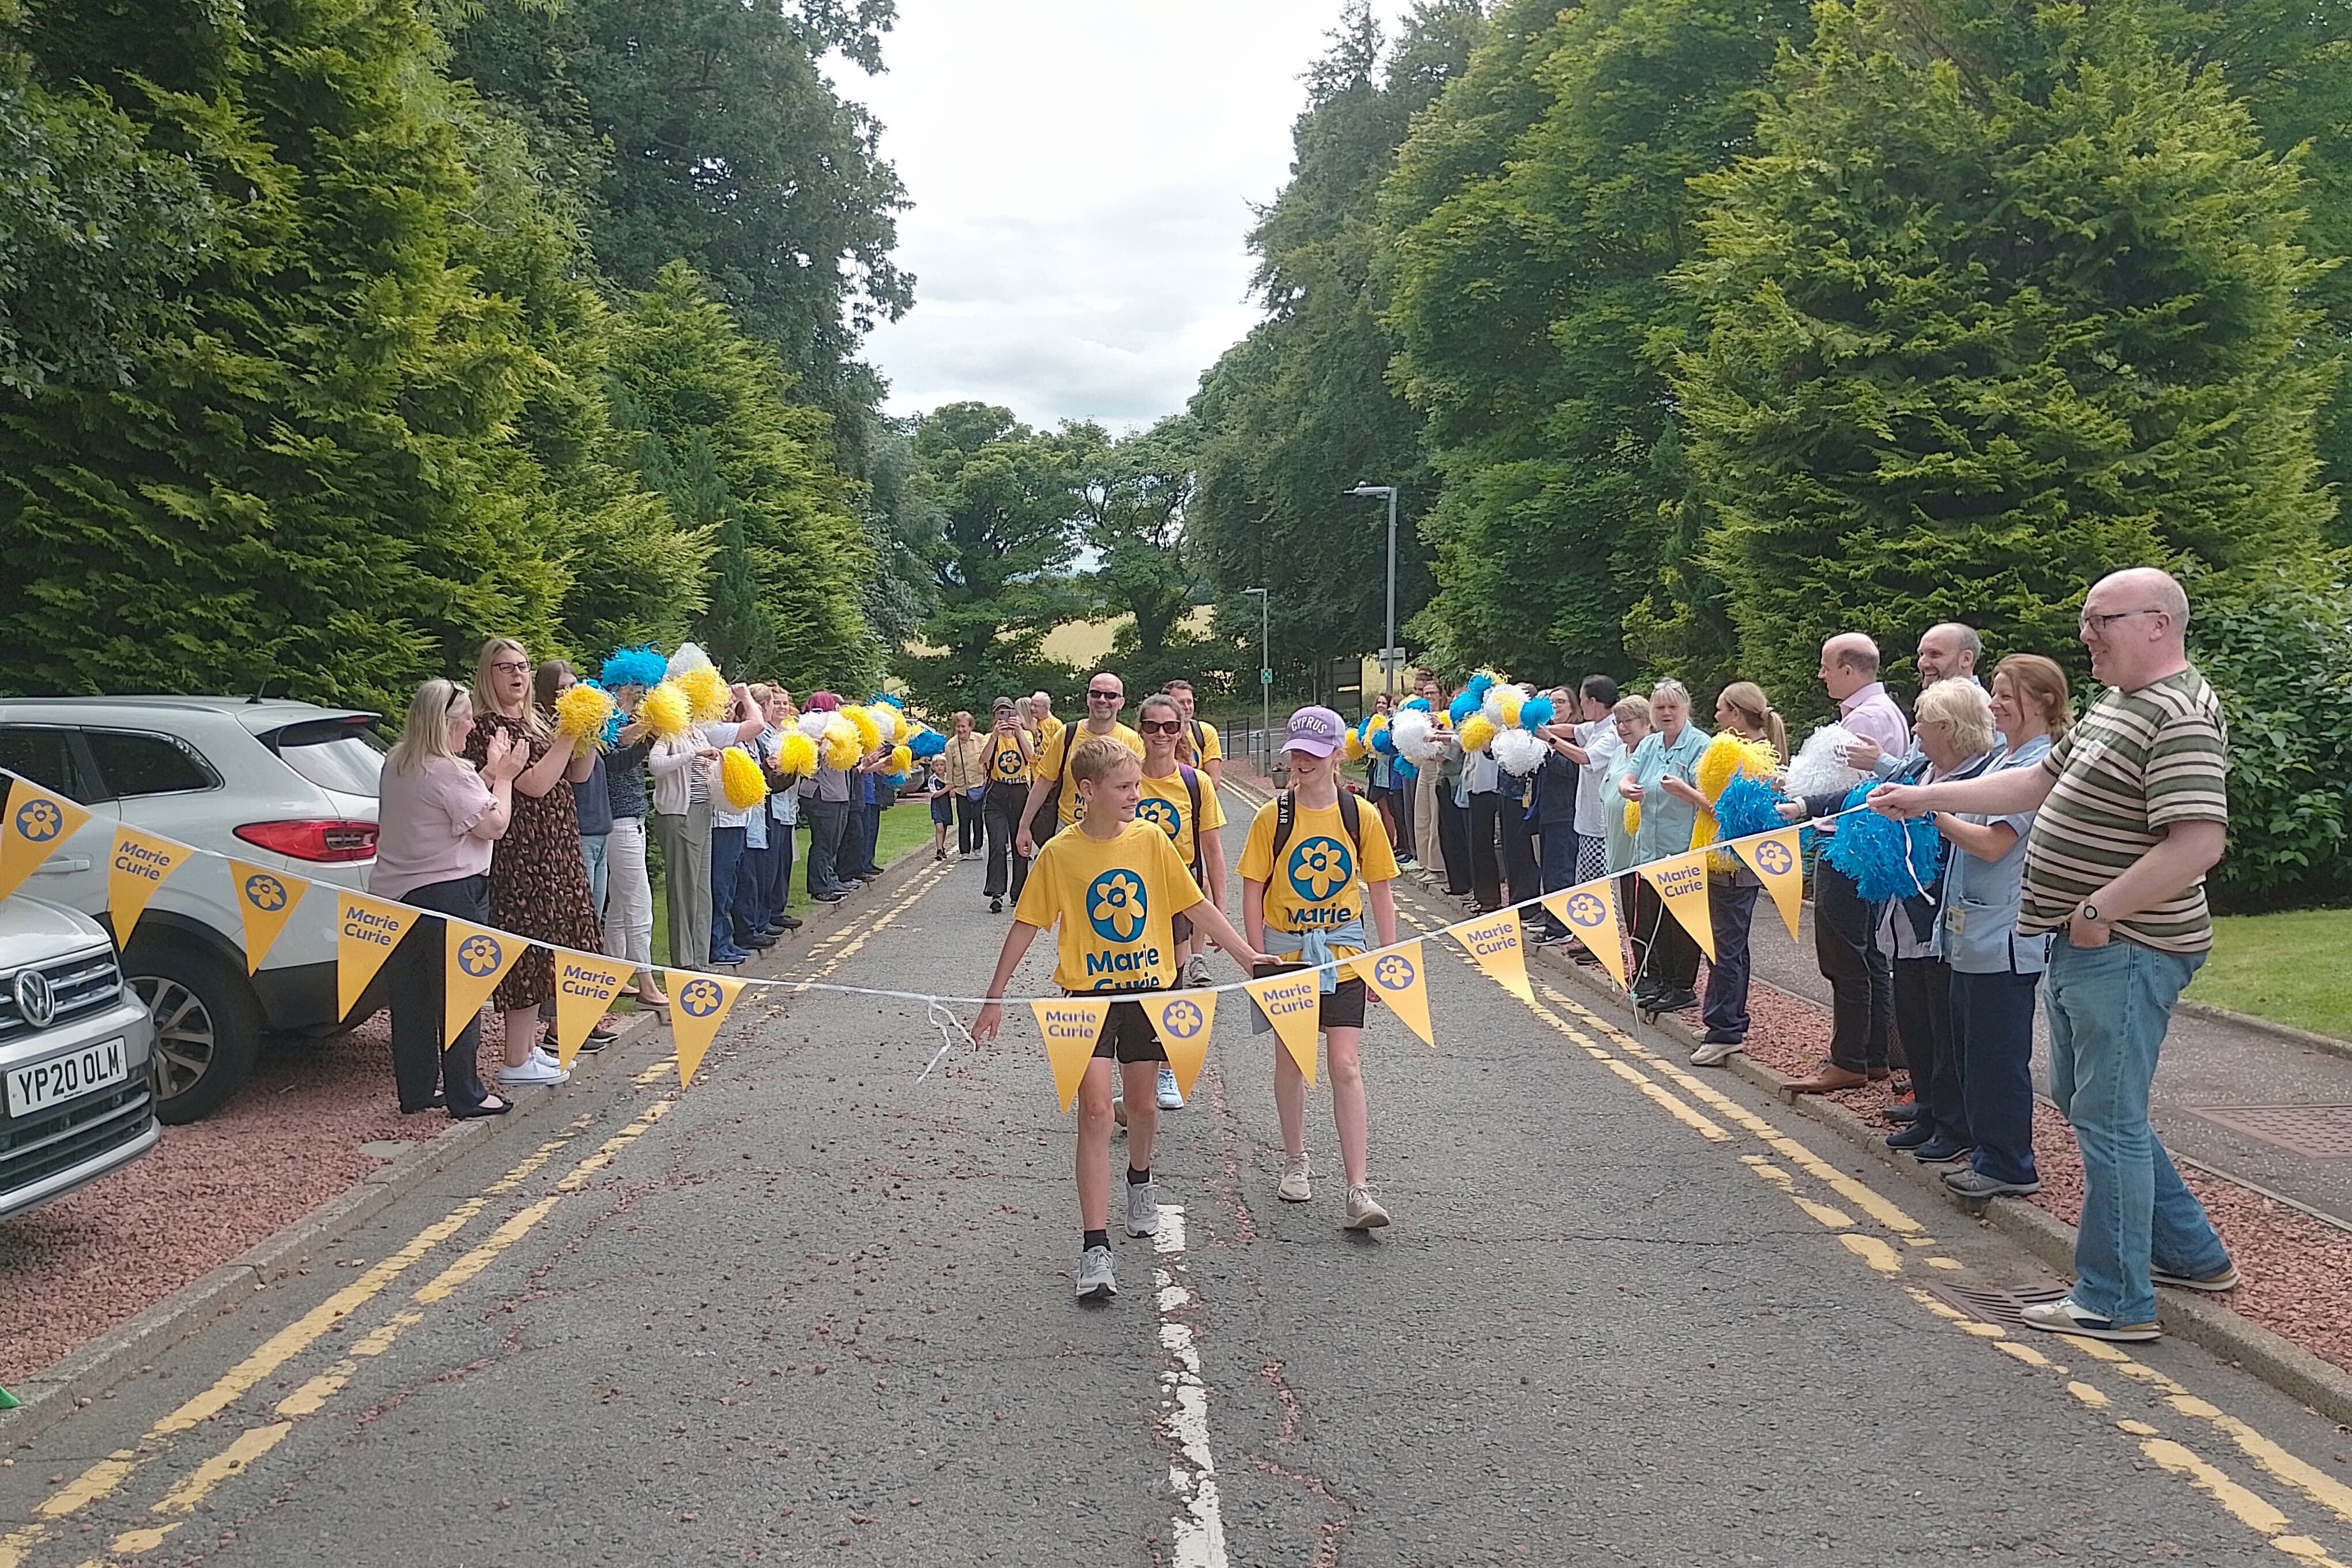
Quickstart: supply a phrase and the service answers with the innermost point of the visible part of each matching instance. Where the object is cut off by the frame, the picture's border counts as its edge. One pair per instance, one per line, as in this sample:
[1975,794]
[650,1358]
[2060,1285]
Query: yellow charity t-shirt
[1113,900]
[1212,750]
[1008,759]
[1322,883]
[1070,810]
[1168,805]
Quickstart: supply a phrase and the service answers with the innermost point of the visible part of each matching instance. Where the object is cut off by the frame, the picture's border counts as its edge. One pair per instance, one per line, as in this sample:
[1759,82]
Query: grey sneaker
[1170,1097]
[1715,1053]
[2064,1317]
[1097,1275]
[1143,1208]
[1968,1182]
[1364,1211]
[2226,1279]
[1294,1188]
[1196,969]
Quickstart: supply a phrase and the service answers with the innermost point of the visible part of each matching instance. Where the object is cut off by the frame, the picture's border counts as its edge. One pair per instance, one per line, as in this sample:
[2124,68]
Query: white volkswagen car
[76,1100]
[286,785]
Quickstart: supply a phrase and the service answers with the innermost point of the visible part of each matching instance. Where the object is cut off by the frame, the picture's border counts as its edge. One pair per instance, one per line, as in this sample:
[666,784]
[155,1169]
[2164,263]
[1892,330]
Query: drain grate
[2006,1307]
[2314,1131]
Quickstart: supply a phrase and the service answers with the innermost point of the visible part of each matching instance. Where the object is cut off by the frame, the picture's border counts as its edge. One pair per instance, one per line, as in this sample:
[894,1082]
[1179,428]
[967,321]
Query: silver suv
[75,1098]
[285,785]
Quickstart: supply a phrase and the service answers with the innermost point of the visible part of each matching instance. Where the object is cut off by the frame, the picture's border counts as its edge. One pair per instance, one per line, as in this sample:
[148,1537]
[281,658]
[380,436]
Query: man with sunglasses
[1106,698]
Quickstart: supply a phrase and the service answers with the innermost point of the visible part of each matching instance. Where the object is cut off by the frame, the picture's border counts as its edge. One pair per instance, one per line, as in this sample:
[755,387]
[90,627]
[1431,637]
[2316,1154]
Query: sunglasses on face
[1160,726]
[1106,697]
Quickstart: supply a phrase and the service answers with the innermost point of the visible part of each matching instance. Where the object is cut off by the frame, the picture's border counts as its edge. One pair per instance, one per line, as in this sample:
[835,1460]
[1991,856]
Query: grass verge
[2288,968]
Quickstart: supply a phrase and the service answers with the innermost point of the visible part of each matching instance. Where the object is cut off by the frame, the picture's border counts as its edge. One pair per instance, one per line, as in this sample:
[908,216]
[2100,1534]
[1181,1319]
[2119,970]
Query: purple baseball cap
[1316,732]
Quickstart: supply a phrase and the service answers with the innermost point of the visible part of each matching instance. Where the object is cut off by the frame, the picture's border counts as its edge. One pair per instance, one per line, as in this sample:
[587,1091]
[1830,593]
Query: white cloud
[1082,173]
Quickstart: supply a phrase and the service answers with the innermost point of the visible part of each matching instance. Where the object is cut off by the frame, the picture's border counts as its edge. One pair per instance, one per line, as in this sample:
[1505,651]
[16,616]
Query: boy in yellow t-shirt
[1115,888]
[1310,909]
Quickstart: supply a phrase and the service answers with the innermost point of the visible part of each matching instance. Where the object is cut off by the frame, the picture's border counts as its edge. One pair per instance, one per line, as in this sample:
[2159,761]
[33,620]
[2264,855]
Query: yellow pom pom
[706,688]
[869,733]
[582,711]
[1477,732]
[1379,721]
[1352,746]
[739,778]
[666,711]
[796,754]
[1505,701]
[1632,816]
[841,751]
[902,759]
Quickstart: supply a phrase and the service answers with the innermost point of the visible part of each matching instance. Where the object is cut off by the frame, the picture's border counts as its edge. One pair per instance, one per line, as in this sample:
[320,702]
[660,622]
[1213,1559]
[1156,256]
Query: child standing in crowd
[1315,861]
[1114,889]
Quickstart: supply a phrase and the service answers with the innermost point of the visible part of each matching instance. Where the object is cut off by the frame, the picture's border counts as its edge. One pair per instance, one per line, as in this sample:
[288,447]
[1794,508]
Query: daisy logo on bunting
[1394,973]
[1319,868]
[479,955]
[1586,909]
[39,821]
[264,893]
[1773,859]
[701,998]
[1161,814]
[1182,1019]
[1116,906]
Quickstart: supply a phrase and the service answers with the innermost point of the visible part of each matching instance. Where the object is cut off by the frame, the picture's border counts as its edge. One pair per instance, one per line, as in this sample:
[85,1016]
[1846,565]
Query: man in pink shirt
[1845,926]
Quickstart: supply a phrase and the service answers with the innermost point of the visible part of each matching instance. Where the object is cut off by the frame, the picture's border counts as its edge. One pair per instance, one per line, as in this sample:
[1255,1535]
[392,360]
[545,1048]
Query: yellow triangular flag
[140,863]
[1396,977]
[367,929]
[1292,1003]
[266,899]
[1071,1025]
[1681,882]
[1494,942]
[1774,859]
[477,959]
[37,826]
[698,1005]
[585,988]
[1183,1019]
[1589,910]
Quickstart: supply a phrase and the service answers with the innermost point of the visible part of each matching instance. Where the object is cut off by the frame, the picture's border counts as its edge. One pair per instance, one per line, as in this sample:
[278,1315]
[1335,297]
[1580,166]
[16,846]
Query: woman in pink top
[436,819]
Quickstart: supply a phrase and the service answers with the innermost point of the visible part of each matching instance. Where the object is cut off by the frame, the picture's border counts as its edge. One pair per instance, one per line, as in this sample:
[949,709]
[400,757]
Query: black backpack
[1286,822]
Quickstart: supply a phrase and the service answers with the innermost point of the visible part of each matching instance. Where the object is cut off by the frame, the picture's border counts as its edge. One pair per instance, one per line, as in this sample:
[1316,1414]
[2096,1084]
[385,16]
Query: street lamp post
[1265,672]
[1390,655]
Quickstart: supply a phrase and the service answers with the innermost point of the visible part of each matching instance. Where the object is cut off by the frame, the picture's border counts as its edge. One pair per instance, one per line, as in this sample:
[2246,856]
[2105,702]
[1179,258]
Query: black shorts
[1377,793]
[1342,1008]
[1127,1034]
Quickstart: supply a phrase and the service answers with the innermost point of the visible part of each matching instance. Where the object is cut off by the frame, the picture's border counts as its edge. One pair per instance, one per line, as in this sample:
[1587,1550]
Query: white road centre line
[1199,1529]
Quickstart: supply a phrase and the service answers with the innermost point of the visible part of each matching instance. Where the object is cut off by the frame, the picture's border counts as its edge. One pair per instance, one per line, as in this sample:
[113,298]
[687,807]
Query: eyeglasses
[1160,726]
[510,668]
[2100,622]
[1094,696]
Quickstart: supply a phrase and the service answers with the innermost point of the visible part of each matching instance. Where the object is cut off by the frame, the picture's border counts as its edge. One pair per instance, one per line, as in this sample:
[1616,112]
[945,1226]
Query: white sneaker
[1097,1275]
[538,1069]
[1142,1208]
[1294,1188]
[1715,1053]
[1170,1097]
[541,1054]
[1196,969]
[1364,1211]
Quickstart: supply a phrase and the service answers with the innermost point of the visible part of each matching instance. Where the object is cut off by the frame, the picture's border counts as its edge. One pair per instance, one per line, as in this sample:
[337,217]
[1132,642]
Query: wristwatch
[2090,911]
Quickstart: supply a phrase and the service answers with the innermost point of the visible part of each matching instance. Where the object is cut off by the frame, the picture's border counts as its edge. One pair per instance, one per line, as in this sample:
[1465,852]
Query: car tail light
[328,838]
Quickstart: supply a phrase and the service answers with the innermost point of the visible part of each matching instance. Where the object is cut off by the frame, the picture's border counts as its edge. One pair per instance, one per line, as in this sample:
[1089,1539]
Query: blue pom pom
[930,743]
[1383,743]
[1420,702]
[644,665]
[1403,772]
[886,697]
[1886,859]
[1480,684]
[1535,713]
[1747,805]
[895,781]
[1467,703]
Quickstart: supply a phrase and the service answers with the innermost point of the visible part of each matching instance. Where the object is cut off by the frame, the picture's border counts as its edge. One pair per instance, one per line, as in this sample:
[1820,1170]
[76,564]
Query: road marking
[1200,1528]
[233,1460]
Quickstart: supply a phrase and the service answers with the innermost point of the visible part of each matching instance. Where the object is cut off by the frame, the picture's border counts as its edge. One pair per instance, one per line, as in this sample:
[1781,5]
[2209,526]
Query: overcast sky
[1082,173]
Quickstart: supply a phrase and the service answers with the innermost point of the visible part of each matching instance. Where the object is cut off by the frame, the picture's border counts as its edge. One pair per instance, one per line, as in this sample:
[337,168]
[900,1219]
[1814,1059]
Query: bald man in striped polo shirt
[2130,814]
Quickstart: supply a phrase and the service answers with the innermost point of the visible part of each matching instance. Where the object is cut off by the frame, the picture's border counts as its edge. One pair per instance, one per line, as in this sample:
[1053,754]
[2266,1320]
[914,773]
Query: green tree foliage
[94,226]
[1300,410]
[1006,501]
[735,456]
[1535,213]
[1997,303]
[903,525]
[1133,515]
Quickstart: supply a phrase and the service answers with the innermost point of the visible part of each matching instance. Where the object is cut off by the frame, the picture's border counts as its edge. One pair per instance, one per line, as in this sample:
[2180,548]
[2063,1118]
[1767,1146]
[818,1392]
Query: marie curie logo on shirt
[1320,868]
[1115,908]
[1008,761]
[1162,814]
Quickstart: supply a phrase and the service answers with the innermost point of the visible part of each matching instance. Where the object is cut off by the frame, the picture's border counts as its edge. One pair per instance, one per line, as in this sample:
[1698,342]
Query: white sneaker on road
[1170,1097]
[1364,1211]
[1294,1188]
[1715,1053]
[1196,969]
[538,1069]
[1142,1208]
[1097,1275]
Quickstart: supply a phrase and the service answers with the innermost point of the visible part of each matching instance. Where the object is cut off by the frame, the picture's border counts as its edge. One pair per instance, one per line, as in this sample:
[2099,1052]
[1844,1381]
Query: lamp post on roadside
[1390,655]
[1264,673]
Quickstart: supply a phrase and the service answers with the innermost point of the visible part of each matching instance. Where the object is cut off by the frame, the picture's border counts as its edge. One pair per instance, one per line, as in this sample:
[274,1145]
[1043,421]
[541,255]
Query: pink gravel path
[290,1141]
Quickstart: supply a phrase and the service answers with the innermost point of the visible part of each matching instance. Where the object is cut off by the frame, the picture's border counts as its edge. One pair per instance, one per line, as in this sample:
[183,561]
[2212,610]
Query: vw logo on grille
[34,1001]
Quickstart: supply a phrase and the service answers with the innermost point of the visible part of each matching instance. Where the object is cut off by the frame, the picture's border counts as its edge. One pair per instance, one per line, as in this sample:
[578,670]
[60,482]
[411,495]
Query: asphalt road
[811,1310]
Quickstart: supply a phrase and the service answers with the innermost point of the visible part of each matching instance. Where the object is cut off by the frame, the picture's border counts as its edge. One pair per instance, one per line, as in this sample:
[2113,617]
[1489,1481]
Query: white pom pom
[885,719]
[1518,752]
[812,724]
[1819,765]
[690,656]
[1416,736]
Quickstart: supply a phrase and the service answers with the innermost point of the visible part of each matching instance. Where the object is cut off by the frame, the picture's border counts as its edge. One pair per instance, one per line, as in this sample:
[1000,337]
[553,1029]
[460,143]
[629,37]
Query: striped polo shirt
[2139,762]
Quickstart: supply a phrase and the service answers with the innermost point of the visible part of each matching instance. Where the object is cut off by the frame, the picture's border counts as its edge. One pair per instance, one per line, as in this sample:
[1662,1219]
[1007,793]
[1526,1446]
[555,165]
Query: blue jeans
[1992,1052]
[592,855]
[1730,910]
[2109,1007]
[726,868]
[1558,869]
[758,874]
